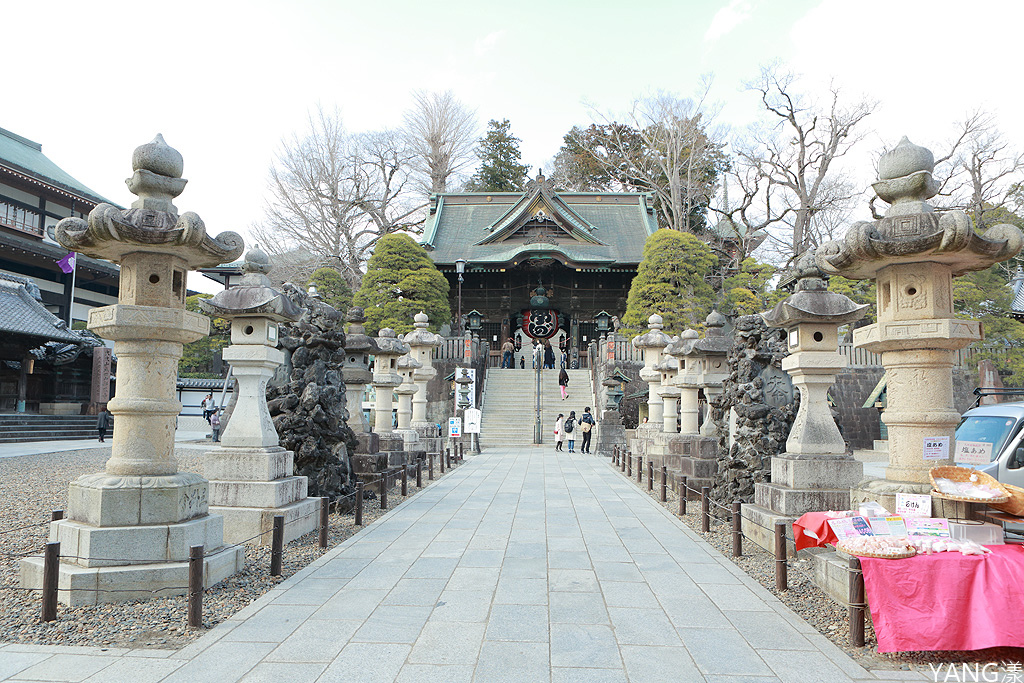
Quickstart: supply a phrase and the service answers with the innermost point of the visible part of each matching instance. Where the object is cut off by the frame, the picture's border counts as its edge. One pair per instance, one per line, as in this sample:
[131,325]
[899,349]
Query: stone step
[882,445]
[63,435]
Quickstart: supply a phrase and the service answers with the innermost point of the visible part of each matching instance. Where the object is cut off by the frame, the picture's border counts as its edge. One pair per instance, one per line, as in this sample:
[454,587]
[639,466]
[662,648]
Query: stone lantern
[251,478]
[652,344]
[142,510]
[913,253]
[688,380]
[407,366]
[715,348]
[421,343]
[356,374]
[667,389]
[814,473]
[385,379]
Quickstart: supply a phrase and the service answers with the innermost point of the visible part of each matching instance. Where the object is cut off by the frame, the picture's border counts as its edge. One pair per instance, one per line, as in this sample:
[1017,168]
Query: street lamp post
[460,268]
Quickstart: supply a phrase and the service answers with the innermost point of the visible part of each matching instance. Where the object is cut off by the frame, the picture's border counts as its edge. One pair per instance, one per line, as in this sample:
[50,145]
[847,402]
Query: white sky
[226,81]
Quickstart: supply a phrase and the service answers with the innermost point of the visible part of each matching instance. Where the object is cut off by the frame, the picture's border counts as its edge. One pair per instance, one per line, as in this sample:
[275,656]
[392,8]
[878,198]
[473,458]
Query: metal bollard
[405,480]
[384,491]
[277,545]
[419,474]
[195,586]
[781,569]
[430,466]
[705,509]
[51,569]
[325,522]
[650,475]
[737,529]
[664,483]
[682,495]
[856,603]
[359,503]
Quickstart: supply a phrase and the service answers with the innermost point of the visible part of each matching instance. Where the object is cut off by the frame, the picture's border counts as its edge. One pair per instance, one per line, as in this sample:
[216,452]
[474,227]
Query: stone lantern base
[128,538]
[250,486]
[610,433]
[684,455]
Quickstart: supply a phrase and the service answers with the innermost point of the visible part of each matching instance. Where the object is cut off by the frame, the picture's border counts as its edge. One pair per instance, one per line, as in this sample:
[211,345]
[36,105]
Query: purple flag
[67,264]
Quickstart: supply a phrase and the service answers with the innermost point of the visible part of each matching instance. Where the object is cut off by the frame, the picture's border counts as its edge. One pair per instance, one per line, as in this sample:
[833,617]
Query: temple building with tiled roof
[582,249]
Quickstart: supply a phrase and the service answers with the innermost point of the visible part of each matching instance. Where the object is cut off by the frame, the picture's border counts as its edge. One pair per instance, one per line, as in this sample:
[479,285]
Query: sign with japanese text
[936,447]
[454,427]
[973,452]
[913,505]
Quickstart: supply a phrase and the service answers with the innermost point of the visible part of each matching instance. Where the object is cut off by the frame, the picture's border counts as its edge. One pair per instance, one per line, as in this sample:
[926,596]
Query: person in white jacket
[559,432]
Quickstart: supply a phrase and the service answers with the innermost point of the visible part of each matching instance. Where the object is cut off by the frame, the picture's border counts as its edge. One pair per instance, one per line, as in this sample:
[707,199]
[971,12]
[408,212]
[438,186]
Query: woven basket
[862,553]
[964,474]
[1014,506]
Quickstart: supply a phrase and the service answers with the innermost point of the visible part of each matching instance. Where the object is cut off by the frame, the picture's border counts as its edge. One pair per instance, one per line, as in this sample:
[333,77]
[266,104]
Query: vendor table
[812,530]
[947,601]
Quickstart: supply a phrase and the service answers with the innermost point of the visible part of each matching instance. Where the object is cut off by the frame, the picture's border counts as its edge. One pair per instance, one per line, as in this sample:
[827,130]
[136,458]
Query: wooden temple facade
[540,264]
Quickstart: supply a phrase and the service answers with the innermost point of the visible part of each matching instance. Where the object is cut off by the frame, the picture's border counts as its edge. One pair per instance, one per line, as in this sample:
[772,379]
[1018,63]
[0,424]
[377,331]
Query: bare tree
[793,162]
[441,132]
[665,146]
[382,169]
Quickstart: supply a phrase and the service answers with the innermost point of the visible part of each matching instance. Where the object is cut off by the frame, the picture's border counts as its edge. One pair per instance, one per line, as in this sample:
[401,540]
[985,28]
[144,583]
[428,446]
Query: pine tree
[672,281]
[500,170]
[332,288]
[401,281]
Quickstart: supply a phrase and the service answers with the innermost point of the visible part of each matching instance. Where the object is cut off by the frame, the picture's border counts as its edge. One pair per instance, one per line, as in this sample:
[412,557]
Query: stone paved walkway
[518,566]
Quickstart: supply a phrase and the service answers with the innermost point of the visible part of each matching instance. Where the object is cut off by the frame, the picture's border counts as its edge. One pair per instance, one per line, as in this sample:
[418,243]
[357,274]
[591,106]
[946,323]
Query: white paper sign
[454,427]
[973,452]
[936,447]
[913,505]
[472,420]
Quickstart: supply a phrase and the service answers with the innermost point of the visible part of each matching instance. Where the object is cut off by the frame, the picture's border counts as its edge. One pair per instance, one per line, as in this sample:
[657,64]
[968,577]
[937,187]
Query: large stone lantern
[688,380]
[652,344]
[251,477]
[668,368]
[356,372]
[407,366]
[714,348]
[815,472]
[913,253]
[142,511]
[421,343]
[386,378]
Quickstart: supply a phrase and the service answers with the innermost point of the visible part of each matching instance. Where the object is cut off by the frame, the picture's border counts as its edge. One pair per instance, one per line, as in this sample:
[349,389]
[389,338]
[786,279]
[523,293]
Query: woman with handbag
[559,432]
[587,423]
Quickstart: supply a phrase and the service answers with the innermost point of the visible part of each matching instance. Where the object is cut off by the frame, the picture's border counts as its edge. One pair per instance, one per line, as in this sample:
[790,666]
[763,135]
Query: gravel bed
[814,605]
[32,486]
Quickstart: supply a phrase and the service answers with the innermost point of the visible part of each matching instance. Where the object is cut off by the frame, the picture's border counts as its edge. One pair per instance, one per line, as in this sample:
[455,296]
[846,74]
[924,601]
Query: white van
[1001,425]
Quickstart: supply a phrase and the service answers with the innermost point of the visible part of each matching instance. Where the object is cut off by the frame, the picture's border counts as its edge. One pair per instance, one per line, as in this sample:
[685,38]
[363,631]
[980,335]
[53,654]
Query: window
[18,218]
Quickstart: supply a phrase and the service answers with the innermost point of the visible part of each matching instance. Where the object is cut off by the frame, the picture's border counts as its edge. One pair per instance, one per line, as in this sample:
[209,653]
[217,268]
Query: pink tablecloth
[947,601]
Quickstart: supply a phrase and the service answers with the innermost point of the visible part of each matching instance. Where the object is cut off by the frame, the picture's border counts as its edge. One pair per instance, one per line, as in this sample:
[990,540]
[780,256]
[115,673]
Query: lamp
[603,320]
[474,318]
[460,268]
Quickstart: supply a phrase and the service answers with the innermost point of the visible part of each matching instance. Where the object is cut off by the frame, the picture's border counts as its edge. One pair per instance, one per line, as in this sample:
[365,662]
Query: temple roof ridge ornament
[152,224]
[911,230]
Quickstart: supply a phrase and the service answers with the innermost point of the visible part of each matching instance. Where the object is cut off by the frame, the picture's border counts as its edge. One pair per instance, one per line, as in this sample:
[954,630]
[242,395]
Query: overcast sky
[226,81]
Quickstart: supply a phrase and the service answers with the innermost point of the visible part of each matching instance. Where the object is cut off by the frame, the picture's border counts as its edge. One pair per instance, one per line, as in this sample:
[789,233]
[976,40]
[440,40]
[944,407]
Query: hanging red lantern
[540,323]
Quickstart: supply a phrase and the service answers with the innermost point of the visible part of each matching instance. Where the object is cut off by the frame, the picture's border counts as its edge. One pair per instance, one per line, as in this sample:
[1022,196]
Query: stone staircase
[20,427]
[508,412]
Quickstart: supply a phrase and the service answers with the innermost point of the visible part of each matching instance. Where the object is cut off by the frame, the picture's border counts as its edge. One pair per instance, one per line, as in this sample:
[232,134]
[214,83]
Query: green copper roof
[24,156]
[593,229]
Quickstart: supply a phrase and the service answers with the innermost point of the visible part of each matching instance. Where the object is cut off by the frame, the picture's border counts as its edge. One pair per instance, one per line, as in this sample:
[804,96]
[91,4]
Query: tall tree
[500,168]
[672,282]
[789,171]
[441,132]
[400,281]
[331,288]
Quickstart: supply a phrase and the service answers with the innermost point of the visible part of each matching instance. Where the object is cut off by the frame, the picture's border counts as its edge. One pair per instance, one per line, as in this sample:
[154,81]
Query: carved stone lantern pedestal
[129,529]
[251,477]
[407,366]
[421,343]
[652,344]
[815,472]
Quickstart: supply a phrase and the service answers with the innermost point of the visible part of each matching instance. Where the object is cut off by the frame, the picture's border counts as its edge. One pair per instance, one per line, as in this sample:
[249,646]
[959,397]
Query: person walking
[549,355]
[207,406]
[103,423]
[538,354]
[587,423]
[563,383]
[215,424]
[559,431]
[507,349]
[570,430]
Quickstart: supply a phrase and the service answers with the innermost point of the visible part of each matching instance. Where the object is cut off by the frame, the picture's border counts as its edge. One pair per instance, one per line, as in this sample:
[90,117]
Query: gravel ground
[815,606]
[32,486]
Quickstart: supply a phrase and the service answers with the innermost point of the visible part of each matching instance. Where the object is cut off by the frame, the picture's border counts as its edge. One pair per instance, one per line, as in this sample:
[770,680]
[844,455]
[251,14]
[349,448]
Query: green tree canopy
[500,169]
[197,357]
[749,290]
[672,280]
[985,296]
[400,281]
[332,288]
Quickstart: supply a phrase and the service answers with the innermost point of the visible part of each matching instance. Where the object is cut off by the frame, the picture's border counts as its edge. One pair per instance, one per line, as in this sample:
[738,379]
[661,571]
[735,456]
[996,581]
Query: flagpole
[74,271]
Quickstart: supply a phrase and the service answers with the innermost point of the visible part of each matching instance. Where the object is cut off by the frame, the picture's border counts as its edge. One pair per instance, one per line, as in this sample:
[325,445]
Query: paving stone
[584,645]
[580,675]
[514,591]
[316,640]
[724,651]
[578,608]
[393,624]
[577,580]
[276,672]
[459,605]
[659,664]
[639,626]
[510,662]
[12,662]
[366,663]
[434,673]
[63,667]
[518,622]
[448,643]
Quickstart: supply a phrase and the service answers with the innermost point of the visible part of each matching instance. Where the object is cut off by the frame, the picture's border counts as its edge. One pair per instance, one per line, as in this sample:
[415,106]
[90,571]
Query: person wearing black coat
[586,419]
[563,383]
[549,355]
[102,424]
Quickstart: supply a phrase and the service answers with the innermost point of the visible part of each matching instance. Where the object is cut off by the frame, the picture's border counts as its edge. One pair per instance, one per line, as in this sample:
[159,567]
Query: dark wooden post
[639,468]
[405,480]
[277,545]
[462,453]
[430,466]
[737,528]
[419,474]
[664,483]
[195,586]
[682,495]
[856,603]
[781,569]
[325,523]
[359,503]
[444,457]
[705,509]
[51,570]
[56,515]
[384,490]
[629,466]
[650,475]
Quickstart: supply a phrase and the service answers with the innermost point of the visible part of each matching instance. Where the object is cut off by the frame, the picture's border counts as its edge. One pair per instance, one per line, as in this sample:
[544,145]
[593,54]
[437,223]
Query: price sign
[973,452]
[913,505]
[454,427]
[936,447]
